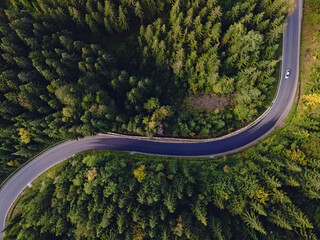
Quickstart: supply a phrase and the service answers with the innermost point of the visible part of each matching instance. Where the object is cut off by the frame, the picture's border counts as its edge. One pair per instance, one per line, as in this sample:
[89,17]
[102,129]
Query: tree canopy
[270,191]
[259,194]
[76,68]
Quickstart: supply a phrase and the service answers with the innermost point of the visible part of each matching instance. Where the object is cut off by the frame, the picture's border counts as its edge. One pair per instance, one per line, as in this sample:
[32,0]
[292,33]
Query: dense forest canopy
[268,192]
[258,195]
[75,68]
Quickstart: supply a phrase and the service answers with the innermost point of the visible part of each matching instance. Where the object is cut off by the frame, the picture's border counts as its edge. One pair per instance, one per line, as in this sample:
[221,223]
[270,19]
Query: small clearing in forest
[207,102]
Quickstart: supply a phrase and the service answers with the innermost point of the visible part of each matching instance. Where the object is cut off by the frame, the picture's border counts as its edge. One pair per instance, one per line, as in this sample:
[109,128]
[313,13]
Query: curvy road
[248,136]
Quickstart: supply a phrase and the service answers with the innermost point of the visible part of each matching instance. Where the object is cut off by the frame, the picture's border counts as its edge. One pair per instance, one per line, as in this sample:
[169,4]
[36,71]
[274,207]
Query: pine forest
[74,68]
[181,68]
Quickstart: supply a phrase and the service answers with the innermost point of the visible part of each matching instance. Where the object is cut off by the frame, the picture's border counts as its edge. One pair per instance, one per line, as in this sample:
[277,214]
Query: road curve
[275,116]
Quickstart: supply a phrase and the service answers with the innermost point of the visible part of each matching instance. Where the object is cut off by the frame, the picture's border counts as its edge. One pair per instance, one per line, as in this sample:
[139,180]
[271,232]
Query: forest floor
[207,102]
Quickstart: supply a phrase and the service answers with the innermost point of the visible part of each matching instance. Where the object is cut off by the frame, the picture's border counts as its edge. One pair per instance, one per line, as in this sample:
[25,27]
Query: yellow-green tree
[25,135]
[140,173]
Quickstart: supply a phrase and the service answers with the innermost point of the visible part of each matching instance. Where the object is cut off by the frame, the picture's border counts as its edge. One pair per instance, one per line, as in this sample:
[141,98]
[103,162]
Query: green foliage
[140,173]
[90,199]
[270,191]
[74,68]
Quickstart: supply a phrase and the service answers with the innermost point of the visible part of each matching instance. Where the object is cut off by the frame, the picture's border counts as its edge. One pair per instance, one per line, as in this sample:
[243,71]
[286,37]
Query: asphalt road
[275,116]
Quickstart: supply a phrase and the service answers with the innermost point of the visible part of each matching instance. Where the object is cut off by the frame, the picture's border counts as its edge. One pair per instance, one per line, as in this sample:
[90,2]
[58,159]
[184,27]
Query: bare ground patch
[207,102]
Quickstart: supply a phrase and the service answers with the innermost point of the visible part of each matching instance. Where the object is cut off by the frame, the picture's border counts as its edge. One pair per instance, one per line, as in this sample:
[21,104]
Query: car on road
[287,75]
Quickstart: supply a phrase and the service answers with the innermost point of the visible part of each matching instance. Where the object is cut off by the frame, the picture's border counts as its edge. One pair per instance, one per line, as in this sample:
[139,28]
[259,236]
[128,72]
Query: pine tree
[216,229]
[252,221]
[122,19]
[170,201]
[279,219]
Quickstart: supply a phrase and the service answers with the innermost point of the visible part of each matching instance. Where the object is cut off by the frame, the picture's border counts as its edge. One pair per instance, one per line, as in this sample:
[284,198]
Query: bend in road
[280,109]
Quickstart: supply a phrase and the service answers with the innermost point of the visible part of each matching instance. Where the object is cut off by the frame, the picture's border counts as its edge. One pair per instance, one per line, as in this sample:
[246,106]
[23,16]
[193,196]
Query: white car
[288,71]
